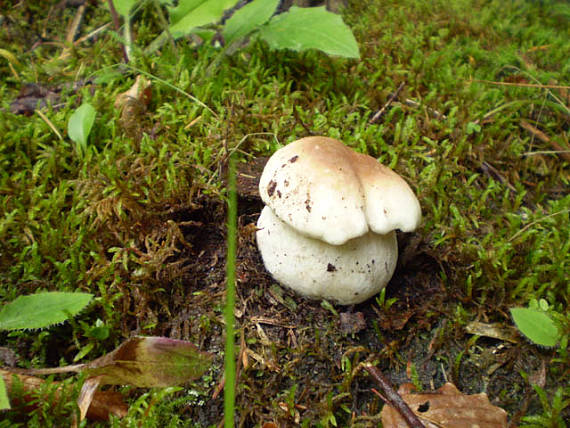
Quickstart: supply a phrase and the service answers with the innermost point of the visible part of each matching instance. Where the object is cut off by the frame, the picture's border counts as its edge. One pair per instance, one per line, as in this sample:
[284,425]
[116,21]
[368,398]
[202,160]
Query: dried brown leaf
[446,407]
[494,331]
[103,403]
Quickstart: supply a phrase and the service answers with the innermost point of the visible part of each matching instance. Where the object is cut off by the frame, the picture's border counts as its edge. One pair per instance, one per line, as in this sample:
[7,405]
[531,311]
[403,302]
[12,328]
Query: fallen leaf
[446,407]
[494,331]
[133,104]
[150,362]
[351,323]
[140,92]
[86,395]
[33,96]
[103,403]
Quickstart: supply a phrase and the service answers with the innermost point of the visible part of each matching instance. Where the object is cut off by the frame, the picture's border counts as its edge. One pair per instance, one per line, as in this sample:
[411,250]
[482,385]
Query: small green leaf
[536,325]
[41,310]
[79,126]
[248,18]
[4,400]
[151,362]
[190,14]
[310,28]
[123,7]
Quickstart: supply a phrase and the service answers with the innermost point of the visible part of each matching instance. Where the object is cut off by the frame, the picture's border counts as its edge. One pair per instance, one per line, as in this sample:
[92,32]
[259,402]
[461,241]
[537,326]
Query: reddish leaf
[150,362]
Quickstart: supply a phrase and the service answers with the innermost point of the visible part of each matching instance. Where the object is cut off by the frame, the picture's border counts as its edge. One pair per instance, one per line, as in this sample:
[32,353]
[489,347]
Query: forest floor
[479,129]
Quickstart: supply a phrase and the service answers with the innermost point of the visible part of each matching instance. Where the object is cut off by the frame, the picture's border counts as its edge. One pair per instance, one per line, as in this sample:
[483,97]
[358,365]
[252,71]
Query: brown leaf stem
[117,26]
[380,112]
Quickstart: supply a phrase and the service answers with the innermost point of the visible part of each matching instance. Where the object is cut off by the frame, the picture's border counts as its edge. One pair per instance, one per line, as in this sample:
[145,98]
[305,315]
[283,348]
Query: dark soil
[298,359]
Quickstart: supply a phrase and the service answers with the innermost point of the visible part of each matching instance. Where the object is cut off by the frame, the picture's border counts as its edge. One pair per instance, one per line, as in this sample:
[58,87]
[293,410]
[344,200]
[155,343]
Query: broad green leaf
[150,362]
[123,7]
[248,18]
[190,14]
[310,28]
[4,400]
[183,8]
[41,309]
[536,325]
[79,126]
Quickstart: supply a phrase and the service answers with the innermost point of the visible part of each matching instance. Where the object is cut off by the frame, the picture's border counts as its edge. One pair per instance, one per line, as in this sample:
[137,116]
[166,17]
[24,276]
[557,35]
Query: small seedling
[536,324]
[79,127]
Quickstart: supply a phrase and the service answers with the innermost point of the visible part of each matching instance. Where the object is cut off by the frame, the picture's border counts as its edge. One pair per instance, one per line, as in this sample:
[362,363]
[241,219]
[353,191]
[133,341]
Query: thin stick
[521,85]
[49,123]
[380,112]
[430,110]
[545,139]
[394,399]
[512,238]
[76,368]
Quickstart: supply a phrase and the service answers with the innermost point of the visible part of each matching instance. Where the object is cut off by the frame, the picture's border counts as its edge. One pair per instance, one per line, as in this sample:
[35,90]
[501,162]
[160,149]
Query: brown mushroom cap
[327,191]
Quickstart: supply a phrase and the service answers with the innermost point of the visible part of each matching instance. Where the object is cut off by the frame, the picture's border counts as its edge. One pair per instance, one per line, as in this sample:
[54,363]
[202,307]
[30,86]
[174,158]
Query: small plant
[382,302]
[552,415]
[537,324]
[298,29]
[79,127]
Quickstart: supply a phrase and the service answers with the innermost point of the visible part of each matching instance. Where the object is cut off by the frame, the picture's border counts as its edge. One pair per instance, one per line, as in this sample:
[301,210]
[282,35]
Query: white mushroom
[328,228]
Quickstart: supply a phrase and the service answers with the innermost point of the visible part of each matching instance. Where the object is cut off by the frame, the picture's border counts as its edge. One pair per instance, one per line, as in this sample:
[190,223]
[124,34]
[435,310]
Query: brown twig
[394,399]
[392,97]
[299,120]
[545,139]
[521,85]
[433,112]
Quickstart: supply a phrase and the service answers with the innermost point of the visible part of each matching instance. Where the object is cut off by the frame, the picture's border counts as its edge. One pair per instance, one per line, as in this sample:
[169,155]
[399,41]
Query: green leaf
[147,362]
[123,7]
[41,310]
[4,400]
[248,18]
[79,126]
[190,14]
[310,28]
[536,325]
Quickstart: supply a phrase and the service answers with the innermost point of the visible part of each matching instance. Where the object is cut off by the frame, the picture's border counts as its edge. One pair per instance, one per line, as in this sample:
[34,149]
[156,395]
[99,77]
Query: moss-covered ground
[479,130]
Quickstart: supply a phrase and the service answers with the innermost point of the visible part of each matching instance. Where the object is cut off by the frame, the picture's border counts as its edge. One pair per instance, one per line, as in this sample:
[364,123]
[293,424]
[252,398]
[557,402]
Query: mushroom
[328,228]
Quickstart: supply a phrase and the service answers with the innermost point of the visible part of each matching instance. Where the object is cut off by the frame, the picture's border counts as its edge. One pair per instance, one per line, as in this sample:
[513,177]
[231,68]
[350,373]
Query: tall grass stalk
[230,366]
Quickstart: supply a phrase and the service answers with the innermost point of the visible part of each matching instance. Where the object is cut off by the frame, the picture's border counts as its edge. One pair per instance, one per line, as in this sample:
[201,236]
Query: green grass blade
[230,365]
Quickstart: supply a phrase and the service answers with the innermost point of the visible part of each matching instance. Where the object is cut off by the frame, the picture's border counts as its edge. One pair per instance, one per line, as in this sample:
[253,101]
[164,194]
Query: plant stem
[230,365]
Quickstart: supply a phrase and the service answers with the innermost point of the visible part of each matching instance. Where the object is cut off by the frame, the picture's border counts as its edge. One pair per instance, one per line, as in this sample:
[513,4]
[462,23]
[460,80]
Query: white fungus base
[346,274]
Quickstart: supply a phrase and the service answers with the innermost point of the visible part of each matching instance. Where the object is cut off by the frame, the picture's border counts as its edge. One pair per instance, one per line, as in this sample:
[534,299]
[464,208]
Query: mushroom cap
[346,274]
[327,191]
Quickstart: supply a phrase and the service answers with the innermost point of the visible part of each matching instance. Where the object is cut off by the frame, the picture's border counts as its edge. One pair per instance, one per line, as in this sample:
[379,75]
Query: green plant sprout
[536,324]
[79,127]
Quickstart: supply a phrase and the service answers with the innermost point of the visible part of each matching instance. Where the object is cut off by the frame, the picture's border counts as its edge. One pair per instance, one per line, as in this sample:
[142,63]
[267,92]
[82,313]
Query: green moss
[118,222]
